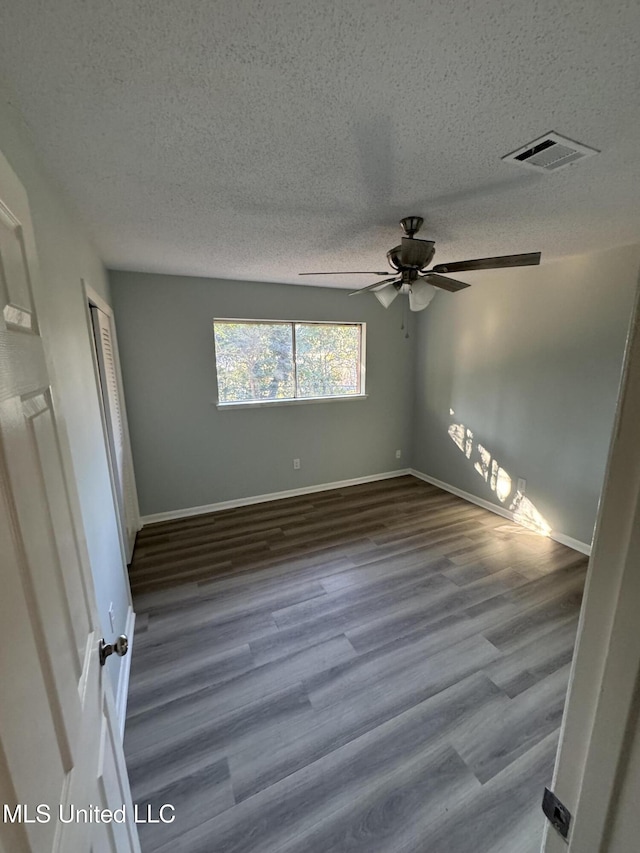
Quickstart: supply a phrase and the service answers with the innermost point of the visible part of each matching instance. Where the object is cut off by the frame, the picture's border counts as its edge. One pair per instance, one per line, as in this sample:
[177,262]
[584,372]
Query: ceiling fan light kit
[386,295]
[410,260]
[420,295]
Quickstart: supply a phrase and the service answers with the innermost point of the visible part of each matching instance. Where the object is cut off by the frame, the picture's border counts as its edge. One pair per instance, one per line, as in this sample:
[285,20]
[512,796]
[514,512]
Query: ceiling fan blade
[446,283]
[420,295]
[528,260]
[371,286]
[348,272]
[386,295]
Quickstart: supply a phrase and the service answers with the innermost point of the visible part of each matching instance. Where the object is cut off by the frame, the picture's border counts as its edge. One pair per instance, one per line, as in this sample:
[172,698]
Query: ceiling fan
[409,261]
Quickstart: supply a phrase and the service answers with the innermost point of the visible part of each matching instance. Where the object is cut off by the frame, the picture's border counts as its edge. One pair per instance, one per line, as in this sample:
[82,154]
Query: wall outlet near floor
[398,454]
[112,618]
[296,464]
[521,485]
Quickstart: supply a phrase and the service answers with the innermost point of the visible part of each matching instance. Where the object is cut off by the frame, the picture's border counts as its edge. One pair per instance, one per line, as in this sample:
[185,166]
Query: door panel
[17,298]
[57,717]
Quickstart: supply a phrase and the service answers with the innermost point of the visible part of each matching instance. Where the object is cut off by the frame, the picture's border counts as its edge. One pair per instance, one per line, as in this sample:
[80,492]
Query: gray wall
[530,361]
[66,256]
[187,453]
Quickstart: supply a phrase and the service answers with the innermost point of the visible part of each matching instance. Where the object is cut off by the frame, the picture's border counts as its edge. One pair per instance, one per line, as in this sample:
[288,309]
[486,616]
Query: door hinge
[556,813]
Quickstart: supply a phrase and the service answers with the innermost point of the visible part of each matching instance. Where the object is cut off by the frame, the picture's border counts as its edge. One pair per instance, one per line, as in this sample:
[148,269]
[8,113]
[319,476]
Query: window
[270,362]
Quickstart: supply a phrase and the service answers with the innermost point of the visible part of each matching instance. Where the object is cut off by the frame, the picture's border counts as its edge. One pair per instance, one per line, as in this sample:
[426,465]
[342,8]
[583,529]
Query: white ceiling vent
[549,153]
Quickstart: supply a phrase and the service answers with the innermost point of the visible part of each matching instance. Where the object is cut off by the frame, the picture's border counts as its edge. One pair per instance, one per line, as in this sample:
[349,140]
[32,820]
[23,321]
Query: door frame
[605,675]
[93,298]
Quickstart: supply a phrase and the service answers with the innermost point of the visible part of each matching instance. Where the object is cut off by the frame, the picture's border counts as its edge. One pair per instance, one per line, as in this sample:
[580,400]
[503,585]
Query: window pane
[254,361]
[327,360]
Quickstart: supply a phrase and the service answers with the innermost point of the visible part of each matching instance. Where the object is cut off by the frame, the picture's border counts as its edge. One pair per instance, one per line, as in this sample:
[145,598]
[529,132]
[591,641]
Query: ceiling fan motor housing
[416,254]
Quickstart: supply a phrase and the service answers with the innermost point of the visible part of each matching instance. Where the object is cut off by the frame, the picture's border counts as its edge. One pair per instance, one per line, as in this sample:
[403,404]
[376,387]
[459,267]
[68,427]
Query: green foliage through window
[284,361]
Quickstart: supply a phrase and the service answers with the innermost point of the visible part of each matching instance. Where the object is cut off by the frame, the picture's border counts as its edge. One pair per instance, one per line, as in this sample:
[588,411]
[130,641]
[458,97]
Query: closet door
[117,438]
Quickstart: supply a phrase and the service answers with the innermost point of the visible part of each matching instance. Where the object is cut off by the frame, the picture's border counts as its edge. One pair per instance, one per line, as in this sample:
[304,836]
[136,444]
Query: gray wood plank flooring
[375,669]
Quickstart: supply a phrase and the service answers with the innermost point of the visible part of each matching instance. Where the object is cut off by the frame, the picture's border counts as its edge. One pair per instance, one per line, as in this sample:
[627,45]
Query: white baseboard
[570,542]
[155,518]
[125,670]
[467,496]
[274,496]
[562,538]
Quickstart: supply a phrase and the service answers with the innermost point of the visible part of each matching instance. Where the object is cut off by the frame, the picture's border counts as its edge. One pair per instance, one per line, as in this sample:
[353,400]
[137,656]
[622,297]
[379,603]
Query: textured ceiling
[254,139]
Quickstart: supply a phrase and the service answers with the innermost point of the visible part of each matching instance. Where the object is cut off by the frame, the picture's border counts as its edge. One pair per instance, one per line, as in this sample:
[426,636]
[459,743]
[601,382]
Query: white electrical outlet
[398,454]
[112,617]
[522,485]
[296,464]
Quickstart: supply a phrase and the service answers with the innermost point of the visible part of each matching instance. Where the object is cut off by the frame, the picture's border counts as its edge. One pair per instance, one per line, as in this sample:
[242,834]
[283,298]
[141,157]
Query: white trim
[92,296]
[273,496]
[125,669]
[562,538]
[467,496]
[570,542]
[273,321]
[290,401]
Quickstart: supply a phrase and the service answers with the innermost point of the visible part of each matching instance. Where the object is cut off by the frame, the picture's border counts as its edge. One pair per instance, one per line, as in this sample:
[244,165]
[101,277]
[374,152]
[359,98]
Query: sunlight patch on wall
[468,444]
[499,480]
[482,466]
[456,434]
[525,513]
[462,437]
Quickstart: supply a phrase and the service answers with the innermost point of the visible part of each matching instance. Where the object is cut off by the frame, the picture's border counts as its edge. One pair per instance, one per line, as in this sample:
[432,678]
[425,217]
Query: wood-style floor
[380,668]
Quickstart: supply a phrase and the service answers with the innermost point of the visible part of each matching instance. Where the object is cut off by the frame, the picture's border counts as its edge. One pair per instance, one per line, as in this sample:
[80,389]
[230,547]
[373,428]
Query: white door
[59,743]
[117,437]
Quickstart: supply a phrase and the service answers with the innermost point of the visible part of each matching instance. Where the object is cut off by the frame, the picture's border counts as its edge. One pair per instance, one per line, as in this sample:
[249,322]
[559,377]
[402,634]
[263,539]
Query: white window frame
[296,401]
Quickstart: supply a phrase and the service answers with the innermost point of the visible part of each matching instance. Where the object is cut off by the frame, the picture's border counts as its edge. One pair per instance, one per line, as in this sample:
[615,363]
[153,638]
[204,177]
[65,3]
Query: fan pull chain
[405,318]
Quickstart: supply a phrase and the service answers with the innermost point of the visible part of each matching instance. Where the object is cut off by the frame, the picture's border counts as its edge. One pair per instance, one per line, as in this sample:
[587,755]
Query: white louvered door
[59,742]
[115,427]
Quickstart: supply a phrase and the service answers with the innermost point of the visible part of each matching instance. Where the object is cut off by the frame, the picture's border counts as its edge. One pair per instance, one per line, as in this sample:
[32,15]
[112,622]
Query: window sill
[300,401]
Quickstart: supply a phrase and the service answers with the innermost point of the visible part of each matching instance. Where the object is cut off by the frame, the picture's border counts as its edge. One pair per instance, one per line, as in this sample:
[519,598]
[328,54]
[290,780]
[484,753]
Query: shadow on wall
[524,511]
